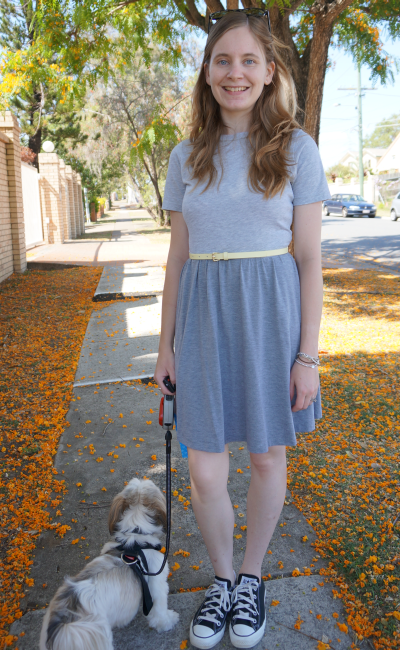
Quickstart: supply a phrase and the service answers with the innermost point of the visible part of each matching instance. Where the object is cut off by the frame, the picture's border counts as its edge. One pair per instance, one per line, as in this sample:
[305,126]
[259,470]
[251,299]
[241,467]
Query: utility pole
[360,131]
[359,90]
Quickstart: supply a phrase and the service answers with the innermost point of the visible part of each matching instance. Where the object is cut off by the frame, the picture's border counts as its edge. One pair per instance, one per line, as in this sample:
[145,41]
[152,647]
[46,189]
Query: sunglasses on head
[250,11]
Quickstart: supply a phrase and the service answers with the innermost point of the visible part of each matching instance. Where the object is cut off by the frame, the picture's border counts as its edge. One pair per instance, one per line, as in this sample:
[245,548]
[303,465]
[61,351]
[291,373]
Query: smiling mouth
[235,89]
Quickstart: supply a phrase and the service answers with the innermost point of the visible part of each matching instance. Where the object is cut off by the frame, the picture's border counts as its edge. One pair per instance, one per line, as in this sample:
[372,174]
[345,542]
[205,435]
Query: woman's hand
[165,366]
[306,381]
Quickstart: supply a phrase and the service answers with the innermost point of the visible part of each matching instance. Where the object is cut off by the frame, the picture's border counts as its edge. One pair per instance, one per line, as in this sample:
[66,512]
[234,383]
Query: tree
[86,35]
[141,103]
[384,133]
[38,105]
[340,171]
[99,158]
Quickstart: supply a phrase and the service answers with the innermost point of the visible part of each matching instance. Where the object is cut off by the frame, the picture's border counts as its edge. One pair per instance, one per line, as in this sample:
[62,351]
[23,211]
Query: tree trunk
[298,65]
[35,143]
[316,75]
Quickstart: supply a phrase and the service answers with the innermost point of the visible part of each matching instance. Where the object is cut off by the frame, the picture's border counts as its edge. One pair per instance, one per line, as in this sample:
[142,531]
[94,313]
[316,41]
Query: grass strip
[345,475]
[43,318]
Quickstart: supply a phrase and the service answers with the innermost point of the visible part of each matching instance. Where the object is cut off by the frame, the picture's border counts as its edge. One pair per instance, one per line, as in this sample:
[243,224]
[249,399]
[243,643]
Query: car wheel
[326,211]
[344,212]
[393,215]
[372,216]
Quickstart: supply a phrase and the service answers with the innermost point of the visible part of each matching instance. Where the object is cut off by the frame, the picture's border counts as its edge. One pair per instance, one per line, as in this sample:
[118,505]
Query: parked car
[395,208]
[349,205]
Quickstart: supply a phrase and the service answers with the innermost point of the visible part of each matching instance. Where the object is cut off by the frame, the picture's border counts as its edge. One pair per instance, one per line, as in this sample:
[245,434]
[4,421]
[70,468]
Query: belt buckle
[214,258]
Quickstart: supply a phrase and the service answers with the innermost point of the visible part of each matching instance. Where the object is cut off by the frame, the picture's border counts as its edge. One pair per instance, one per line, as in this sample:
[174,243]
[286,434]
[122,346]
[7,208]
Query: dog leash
[134,557]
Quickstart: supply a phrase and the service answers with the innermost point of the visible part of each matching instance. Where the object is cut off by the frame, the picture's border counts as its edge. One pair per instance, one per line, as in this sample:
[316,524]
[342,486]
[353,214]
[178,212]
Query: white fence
[32,210]
[370,188]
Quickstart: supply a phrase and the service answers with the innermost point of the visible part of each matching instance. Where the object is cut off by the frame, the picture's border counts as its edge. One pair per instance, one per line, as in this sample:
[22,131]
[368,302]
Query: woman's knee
[273,460]
[208,471]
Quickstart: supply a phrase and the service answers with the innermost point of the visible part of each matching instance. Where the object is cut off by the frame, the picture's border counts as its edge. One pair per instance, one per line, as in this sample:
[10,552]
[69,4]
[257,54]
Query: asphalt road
[361,242]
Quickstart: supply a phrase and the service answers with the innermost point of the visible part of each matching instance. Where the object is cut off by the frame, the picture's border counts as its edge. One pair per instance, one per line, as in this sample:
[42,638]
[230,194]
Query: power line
[359,90]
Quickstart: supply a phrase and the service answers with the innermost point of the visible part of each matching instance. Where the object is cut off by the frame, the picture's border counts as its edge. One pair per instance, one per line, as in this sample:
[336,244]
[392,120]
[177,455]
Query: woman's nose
[235,72]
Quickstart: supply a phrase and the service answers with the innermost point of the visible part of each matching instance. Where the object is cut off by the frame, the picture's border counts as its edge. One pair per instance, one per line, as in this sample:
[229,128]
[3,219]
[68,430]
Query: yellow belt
[215,257]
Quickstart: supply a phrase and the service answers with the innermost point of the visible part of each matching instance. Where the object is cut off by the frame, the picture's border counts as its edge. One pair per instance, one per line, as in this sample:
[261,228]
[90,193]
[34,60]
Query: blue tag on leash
[184,450]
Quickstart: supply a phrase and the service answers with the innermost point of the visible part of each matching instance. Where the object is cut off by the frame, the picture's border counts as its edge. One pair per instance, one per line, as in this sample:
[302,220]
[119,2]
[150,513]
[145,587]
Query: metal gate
[32,211]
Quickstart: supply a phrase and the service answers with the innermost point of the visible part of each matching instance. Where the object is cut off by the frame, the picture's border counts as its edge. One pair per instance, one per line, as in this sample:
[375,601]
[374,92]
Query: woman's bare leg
[265,500]
[212,507]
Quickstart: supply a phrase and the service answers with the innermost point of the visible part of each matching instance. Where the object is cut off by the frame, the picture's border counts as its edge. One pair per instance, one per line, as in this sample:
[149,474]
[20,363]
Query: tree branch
[293,7]
[249,3]
[214,5]
[191,13]
[200,20]
[329,10]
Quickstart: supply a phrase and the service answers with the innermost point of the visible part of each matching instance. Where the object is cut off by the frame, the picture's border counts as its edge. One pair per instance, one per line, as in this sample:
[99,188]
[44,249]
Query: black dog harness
[133,556]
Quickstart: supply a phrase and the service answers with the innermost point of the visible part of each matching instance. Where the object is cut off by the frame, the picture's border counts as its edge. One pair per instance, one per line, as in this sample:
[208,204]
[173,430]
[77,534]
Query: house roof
[390,147]
[348,154]
[377,152]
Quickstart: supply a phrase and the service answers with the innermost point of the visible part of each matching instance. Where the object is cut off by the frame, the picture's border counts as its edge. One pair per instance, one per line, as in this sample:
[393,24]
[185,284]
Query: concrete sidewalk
[93,478]
[127,244]
[113,436]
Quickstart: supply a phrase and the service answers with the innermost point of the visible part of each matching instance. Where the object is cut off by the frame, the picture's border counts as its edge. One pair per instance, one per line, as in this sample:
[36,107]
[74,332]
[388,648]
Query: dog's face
[141,504]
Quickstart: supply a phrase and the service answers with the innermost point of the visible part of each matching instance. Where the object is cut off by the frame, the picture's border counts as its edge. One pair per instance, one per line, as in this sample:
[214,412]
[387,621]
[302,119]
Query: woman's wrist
[165,347]
[309,348]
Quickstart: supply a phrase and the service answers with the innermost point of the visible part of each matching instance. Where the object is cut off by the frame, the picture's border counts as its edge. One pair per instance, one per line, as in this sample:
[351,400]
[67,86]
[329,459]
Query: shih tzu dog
[107,593]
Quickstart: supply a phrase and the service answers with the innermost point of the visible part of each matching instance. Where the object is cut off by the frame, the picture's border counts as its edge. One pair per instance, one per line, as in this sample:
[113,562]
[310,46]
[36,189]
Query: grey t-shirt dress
[238,321]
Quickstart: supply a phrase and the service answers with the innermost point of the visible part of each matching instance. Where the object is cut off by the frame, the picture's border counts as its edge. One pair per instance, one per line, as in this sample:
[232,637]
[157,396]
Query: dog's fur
[107,593]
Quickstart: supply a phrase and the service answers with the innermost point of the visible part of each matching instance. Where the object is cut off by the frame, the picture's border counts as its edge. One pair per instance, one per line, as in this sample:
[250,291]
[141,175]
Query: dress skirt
[236,338]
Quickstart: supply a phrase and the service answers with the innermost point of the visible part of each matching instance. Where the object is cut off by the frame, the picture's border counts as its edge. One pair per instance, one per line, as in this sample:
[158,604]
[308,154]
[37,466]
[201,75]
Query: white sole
[208,642]
[247,641]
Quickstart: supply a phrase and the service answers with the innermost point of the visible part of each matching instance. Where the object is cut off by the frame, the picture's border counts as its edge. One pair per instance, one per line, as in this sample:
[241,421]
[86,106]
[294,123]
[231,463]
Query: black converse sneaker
[248,620]
[208,625]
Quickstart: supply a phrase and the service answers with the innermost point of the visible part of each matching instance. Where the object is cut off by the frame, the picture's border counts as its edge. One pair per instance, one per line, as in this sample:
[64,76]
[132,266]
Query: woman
[246,173]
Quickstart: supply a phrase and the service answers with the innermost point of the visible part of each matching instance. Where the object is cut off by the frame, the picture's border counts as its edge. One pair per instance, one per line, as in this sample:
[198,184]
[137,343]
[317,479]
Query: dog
[107,593]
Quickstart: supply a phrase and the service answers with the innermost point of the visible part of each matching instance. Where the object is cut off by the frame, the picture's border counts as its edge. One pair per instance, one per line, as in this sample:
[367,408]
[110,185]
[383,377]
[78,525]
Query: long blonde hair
[273,114]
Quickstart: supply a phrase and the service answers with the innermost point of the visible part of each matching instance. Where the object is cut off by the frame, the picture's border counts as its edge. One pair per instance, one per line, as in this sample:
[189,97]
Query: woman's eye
[249,61]
[223,61]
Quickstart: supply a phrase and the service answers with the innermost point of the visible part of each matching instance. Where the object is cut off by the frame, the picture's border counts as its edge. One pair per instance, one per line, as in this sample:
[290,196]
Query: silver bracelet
[307,365]
[307,356]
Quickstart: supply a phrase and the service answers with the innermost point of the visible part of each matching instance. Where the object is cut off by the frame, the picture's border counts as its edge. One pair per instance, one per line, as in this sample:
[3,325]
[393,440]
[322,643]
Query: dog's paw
[165,622]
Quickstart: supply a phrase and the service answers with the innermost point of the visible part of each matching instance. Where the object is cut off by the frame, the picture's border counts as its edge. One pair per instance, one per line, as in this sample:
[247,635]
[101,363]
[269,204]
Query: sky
[339,132]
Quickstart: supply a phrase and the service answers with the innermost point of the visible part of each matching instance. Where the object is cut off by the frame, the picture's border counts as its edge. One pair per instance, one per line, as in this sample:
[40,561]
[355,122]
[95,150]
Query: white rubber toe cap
[242,630]
[202,631]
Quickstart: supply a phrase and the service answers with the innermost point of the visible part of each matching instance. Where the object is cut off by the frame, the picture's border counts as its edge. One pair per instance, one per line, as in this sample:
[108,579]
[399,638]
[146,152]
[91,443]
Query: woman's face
[238,71]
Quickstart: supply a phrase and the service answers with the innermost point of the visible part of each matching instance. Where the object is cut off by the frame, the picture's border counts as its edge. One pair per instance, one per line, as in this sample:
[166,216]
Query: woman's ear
[270,73]
[207,73]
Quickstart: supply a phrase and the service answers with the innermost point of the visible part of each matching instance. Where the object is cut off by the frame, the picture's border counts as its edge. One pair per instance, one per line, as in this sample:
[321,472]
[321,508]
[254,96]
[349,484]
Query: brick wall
[51,198]
[12,227]
[6,257]
[71,200]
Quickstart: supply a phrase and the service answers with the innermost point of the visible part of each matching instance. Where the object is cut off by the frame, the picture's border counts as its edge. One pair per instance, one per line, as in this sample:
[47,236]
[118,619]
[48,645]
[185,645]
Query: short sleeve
[309,183]
[174,190]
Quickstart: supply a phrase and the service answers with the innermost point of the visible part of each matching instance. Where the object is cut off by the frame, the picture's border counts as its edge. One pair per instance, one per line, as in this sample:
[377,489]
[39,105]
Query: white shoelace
[217,598]
[243,599]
